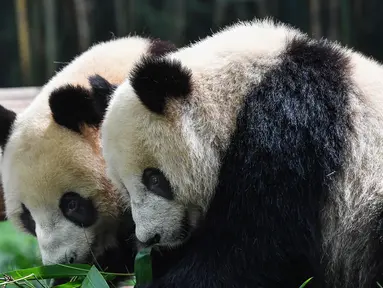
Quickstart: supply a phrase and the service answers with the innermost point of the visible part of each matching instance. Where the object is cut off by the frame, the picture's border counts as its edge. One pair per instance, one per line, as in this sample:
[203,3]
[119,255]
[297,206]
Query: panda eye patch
[27,220]
[78,210]
[155,181]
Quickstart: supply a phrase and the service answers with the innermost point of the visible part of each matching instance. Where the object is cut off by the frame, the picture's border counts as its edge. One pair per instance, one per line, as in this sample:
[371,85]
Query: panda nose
[71,258]
[156,239]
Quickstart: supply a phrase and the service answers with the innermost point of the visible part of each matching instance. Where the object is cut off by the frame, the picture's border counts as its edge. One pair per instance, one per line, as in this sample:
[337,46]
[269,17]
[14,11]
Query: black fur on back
[7,117]
[73,106]
[160,47]
[263,227]
[154,80]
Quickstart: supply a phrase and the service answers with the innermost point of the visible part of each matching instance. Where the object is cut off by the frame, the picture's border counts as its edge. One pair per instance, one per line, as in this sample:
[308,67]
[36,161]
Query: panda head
[168,126]
[156,165]
[53,172]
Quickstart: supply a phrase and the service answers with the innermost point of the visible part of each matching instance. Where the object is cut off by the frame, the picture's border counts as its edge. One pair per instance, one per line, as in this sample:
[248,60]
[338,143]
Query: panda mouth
[190,221]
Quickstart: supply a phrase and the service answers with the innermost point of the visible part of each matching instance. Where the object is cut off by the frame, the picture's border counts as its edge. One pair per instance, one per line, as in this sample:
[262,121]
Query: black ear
[160,47]
[7,117]
[102,91]
[73,106]
[156,79]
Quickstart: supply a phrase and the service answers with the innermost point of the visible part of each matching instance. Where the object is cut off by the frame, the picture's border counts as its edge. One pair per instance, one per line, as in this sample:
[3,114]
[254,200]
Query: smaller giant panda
[52,169]
[257,152]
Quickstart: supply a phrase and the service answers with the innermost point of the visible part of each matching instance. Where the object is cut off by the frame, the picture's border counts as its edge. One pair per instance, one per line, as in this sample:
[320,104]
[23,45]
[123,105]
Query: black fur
[27,220]
[7,117]
[121,258]
[74,106]
[160,47]
[263,225]
[102,90]
[156,79]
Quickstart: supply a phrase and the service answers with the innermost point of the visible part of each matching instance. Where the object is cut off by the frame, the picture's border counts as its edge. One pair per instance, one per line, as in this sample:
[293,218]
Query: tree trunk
[316,29]
[333,15]
[83,10]
[219,12]
[262,8]
[50,36]
[23,39]
[180,20]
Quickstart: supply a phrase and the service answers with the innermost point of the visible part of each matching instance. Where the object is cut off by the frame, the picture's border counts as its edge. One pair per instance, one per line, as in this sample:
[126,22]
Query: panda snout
[152,241]
[72,258]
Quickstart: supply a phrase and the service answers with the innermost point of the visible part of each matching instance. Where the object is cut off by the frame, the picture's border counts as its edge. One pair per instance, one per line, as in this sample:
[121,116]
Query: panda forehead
[49,163]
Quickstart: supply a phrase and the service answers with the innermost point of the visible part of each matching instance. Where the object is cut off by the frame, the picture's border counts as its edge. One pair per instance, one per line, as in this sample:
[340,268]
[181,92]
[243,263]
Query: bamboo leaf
[94,279]
[306,282]
[50,272]
[143,266]
[73,284]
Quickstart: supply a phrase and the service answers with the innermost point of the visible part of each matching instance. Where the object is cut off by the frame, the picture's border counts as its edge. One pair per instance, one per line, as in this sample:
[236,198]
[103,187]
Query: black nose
[156,239]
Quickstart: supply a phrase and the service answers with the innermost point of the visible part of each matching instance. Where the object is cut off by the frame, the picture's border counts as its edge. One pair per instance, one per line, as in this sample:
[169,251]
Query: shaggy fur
[54,148]
[274,154]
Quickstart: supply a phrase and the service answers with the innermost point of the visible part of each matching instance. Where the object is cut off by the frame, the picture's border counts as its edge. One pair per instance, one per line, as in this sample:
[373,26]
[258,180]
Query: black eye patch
[27,220]
[155,181]
[78,210]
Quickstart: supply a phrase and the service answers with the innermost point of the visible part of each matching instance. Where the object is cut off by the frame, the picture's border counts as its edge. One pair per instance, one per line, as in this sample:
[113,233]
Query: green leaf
[73,284]
[305,283]
[143,266]
[130,282]
[50,272]
[94,279]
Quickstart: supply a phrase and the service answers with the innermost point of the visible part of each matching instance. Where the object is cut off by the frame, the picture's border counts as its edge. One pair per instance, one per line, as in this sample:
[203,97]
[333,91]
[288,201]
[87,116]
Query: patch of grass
[17,250]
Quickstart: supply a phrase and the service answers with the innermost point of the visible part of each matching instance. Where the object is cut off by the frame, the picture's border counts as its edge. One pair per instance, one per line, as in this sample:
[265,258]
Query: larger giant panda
[258,152]
[52,169]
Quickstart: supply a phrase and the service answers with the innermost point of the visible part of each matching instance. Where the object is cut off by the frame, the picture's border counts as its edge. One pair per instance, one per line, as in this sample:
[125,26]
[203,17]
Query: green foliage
[21,266]
[81,275]
[94,279]
[143,266]
[306,282]
[17,250]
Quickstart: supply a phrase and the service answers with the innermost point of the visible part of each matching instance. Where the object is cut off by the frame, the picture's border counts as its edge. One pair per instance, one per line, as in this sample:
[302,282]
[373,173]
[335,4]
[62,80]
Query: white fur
[182,144]
[187,142]
[43,160]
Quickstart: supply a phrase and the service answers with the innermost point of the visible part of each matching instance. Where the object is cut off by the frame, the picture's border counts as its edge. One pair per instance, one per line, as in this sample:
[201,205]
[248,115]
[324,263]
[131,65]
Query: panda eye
[72,206]
[156,182]
[78,210]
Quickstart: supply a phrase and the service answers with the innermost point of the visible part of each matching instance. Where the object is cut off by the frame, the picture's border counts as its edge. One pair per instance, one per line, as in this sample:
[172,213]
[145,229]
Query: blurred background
[38,37]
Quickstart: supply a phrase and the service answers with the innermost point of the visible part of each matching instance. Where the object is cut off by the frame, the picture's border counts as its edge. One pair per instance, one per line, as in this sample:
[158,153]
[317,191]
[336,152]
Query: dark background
[39,36]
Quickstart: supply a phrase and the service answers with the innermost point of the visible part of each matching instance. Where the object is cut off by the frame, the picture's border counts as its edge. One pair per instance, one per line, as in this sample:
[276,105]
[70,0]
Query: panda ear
[155,80]
[102,91]
[7,117]
[160,47]
[74,106]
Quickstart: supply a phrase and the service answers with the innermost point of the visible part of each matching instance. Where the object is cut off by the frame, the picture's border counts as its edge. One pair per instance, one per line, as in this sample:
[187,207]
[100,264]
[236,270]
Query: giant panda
[257,152]
[55,186]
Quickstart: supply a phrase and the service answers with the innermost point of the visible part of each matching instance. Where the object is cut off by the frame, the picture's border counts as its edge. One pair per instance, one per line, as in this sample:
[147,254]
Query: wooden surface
[16,99]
